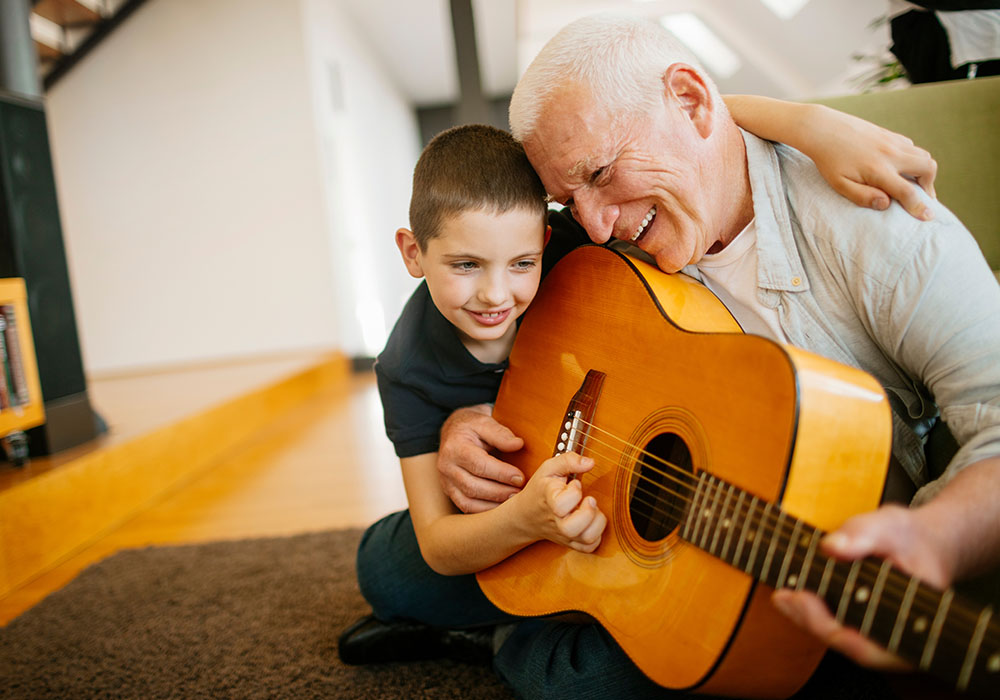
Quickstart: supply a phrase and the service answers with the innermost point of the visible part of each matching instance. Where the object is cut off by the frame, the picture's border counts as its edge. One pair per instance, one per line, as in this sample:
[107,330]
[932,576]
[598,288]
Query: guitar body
[681,382]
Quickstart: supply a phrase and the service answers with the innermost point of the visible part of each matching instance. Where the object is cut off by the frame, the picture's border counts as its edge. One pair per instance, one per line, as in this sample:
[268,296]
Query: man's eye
[598,174]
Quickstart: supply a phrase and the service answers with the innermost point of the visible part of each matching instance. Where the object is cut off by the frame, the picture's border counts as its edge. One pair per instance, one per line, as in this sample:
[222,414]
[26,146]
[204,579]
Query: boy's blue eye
[464,266]
[524,264]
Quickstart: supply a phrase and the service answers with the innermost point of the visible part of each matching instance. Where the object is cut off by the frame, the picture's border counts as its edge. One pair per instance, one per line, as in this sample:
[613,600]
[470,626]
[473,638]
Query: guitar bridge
[579,415]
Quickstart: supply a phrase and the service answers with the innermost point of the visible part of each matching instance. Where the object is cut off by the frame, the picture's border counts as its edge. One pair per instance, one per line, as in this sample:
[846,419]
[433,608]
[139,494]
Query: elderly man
[915,305]
[626,132]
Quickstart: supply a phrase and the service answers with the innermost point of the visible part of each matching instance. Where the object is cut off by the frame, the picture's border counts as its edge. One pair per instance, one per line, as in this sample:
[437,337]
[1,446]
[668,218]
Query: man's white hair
[619,60]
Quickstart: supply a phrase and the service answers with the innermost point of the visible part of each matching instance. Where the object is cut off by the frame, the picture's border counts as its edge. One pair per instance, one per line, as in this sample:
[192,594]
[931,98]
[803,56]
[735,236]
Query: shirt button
[796,281]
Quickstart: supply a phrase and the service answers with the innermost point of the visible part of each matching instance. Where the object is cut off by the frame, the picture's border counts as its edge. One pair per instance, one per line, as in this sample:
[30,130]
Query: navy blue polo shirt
[424,373]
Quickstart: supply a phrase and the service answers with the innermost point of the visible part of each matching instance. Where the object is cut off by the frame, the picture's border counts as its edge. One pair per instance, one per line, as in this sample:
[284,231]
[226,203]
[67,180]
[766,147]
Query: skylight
[716,56]
[786,9]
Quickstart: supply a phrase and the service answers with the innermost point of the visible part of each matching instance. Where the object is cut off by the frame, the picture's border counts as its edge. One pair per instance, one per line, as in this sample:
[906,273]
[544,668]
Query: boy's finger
[592,533]
[565,498]
[566,464]
[863,195]
[906,192]
[576,522]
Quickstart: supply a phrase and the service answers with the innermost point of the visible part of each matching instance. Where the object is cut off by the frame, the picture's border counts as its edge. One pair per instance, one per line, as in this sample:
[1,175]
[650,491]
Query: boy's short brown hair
[471,168]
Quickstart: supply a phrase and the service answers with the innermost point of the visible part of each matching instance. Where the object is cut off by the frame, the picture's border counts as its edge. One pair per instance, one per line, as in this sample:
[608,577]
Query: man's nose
[596,217]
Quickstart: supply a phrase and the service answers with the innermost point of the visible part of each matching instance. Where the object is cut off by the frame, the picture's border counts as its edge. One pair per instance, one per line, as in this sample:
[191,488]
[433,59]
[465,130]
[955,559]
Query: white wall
[192,190]
[370,141]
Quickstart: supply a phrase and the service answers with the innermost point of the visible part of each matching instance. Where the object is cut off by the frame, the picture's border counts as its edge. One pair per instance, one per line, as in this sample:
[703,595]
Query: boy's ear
[410,250]
[687,88]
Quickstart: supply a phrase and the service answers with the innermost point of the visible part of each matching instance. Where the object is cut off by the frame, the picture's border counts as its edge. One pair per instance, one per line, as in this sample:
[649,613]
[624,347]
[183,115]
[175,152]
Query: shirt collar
[454,358]
[778,264]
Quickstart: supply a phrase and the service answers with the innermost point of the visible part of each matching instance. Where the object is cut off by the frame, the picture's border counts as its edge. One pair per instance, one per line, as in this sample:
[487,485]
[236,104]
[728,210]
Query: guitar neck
[937,631]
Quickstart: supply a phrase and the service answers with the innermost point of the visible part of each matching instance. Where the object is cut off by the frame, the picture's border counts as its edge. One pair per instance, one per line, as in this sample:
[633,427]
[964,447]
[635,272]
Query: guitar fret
[709,513]
[932,639]
[775,534]
[903,615]
[845,596]
[756,540]
[824,581]
[792,544]
[973,652]
[807,562]
[873,602]
[743,532]
[724,520]
[735,518]
[693,514]
[862,594]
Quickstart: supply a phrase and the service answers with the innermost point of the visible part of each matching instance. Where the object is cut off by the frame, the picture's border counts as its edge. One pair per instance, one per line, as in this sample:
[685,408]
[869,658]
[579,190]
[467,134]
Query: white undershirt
[731,274]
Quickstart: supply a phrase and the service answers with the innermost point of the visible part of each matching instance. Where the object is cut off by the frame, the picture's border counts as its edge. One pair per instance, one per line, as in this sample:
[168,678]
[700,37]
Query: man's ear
[548,235]
[688,89]
[410,250]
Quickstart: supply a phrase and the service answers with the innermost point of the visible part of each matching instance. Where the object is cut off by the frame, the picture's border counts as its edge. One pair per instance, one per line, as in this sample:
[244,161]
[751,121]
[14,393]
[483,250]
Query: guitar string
[926,606]
[895,583]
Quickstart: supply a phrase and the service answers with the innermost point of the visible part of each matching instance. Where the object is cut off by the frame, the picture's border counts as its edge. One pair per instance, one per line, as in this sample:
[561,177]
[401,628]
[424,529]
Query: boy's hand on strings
[474,480]
[557,508]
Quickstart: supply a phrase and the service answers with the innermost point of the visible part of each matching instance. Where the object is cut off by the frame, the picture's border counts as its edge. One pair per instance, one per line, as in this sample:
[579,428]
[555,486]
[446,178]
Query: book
[19,381]
[5,389]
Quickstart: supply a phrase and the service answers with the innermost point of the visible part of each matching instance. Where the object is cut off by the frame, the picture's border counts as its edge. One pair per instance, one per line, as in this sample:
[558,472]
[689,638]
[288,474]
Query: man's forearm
[964,520]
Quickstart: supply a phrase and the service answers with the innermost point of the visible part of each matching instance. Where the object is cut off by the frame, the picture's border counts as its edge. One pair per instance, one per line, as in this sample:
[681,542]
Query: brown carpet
[246,619]
[250,619]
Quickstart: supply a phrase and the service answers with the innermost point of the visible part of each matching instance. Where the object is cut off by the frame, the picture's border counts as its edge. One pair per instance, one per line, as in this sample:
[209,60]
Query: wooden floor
[324,464]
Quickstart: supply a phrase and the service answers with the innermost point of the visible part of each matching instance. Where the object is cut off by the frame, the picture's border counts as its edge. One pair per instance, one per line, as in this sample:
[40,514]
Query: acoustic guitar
[721,460]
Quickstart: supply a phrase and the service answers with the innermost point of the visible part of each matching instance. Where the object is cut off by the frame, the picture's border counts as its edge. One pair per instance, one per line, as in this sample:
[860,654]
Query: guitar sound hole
[661,487]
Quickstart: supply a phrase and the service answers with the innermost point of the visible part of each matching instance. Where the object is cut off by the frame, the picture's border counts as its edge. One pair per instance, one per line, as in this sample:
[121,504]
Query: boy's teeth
[645,222]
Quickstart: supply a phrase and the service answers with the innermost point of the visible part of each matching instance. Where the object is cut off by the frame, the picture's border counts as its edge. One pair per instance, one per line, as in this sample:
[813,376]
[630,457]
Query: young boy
[478,217]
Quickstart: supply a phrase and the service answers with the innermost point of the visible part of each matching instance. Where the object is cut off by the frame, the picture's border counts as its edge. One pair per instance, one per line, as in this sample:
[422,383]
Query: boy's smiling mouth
[489,318]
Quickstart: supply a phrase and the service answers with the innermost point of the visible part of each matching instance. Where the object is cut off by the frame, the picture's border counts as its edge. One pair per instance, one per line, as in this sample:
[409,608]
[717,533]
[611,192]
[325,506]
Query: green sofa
[959,123]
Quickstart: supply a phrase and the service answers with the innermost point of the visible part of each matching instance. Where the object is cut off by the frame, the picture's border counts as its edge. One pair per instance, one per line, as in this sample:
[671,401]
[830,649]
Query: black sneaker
[371,641]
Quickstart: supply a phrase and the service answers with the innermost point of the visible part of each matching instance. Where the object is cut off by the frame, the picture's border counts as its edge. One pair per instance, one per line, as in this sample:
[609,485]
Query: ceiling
[806,55]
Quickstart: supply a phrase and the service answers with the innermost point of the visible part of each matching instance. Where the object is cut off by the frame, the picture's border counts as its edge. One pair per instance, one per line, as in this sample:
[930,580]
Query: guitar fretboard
[952,638]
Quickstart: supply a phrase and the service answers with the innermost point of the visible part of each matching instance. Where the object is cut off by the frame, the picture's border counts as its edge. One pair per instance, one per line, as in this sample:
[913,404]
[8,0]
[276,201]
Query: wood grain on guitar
[721,459]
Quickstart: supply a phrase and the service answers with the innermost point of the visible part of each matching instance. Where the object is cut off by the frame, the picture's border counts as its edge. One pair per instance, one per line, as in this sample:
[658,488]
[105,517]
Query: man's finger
[481,428]
[501,437]
[459,464]
[501,482]
[809,612]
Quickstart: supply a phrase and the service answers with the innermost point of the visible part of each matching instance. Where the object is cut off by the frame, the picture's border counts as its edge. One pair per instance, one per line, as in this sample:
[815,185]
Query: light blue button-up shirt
[912,303]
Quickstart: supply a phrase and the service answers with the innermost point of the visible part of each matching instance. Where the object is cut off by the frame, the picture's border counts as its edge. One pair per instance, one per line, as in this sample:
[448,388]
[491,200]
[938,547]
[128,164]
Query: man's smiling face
[638,178]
